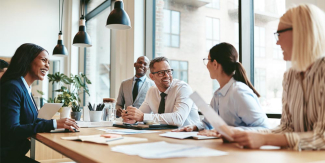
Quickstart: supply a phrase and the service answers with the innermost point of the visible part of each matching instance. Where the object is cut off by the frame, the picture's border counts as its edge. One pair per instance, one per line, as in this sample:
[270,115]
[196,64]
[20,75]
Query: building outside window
[259,40]
[200,29]
[180,70]
[260,82]
[268,61]
[171,28]
[215,4]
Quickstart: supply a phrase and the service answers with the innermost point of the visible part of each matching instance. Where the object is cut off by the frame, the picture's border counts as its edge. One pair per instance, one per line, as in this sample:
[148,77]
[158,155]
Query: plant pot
[76,115]
[65,112]
[95,116]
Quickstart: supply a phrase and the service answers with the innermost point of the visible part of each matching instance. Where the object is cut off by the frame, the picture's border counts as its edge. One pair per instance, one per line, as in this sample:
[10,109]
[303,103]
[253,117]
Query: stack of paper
[159,150]
[109,141]
[184,135]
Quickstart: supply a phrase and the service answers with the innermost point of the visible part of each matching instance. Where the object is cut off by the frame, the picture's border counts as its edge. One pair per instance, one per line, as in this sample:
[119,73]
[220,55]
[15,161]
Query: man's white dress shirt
[179,108]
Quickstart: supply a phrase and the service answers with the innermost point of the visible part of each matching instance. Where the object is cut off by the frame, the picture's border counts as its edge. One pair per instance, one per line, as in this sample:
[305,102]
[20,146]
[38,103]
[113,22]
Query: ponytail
[240,75]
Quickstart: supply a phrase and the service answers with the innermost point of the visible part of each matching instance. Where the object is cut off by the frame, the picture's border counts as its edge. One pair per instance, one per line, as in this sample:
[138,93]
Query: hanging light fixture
[118,18]
[60,49]
[82,39]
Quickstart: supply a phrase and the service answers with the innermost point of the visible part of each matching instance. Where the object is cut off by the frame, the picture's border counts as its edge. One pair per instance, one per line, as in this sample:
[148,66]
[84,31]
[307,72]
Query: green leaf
[40,92]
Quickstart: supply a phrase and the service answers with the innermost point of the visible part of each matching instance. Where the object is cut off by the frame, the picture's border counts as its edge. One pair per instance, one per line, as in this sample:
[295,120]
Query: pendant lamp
[118,18]
[60,49]
[82,39]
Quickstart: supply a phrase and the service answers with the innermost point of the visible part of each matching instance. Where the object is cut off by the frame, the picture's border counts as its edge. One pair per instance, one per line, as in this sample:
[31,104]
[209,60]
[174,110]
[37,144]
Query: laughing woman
[301,35]
[18,109]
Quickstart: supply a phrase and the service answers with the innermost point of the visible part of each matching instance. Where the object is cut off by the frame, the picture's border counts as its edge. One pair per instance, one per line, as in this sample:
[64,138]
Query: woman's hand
[249,139]
[67,123]
[188,128]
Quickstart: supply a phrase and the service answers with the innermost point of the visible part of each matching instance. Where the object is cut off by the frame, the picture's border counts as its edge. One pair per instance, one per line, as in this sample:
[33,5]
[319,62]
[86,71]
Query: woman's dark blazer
[18,119]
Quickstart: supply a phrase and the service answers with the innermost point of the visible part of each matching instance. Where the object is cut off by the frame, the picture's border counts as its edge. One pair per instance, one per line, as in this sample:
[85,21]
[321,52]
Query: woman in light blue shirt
[236,101]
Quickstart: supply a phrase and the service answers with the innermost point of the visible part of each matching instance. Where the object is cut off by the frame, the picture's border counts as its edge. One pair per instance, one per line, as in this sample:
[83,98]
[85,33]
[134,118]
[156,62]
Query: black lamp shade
[60,49]
[118,18]
[82,39]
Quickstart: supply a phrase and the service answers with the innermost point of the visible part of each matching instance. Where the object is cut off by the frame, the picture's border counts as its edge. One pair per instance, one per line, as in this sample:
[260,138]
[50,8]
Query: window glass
[268,62]
[199,29]
[92,4]
[98,64]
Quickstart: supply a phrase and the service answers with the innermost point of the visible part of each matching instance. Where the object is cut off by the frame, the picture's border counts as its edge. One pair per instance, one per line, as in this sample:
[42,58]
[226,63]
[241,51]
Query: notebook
[184,135]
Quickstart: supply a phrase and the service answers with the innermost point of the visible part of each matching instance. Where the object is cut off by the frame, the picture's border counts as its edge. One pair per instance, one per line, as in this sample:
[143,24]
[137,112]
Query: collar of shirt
[26,85]
[143,78]
[166,92]
[223,91]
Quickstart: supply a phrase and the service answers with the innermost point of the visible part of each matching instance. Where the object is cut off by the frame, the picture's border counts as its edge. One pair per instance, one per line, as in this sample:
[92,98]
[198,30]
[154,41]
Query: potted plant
[70,97]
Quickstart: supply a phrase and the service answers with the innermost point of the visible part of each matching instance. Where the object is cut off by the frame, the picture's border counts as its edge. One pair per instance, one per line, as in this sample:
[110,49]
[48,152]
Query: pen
[112,139]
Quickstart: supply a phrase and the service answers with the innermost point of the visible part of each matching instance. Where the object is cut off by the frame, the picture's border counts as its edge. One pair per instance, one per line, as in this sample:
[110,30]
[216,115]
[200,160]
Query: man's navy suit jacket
[18,119]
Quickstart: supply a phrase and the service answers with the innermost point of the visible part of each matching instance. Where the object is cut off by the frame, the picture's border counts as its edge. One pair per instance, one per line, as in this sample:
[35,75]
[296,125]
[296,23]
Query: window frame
[213,39]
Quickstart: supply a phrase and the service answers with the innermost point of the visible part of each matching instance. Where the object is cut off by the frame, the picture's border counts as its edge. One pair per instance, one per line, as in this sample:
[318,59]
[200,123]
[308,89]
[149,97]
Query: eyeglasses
[277,33]
[163,72]
[206,60]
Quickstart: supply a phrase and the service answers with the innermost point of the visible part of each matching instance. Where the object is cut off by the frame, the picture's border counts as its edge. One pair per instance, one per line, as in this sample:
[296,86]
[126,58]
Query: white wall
[31,21]
[318,3]
[37,21]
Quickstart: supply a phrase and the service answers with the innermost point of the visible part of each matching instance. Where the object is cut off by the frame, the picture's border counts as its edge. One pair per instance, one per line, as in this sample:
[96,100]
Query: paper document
[95,124]
[184,135]
[159,150]
[215,120]
[48,110]
[102,140]
[127,131]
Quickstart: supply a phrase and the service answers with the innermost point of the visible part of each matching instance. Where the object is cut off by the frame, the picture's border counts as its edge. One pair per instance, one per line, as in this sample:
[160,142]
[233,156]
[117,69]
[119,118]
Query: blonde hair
[308,26]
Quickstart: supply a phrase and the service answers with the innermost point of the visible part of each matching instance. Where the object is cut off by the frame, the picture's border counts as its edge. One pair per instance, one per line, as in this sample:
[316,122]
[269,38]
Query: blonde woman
[301,35]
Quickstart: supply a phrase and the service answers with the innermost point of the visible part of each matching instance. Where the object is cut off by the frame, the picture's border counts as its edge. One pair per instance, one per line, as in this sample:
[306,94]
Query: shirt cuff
[55,125]
[293,140]
[147,117]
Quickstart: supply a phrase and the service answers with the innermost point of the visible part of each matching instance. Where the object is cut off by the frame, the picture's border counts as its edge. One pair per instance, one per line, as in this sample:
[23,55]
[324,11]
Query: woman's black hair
[20,63]
[226,55]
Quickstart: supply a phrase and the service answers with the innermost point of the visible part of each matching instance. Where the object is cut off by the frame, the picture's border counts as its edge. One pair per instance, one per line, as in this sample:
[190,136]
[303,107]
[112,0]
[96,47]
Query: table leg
[32,148]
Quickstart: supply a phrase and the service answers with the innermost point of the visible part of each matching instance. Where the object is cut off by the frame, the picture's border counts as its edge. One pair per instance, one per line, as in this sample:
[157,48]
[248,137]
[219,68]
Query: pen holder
[95,116]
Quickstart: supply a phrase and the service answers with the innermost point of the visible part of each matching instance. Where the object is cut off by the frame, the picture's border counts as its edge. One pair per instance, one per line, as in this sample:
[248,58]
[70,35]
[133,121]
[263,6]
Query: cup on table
[65,112]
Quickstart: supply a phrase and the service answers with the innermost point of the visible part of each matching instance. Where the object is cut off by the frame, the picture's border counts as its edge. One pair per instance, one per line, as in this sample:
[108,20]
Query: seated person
[3,67]
[133,91]
[236,101]
[168,102]
[18,109]
[301,36]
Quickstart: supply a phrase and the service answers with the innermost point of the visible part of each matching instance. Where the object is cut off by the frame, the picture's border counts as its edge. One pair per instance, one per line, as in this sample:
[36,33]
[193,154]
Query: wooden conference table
[90,152]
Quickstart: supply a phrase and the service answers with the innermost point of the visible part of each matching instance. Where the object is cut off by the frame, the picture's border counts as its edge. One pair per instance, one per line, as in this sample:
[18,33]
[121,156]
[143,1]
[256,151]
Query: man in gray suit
[133,91]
